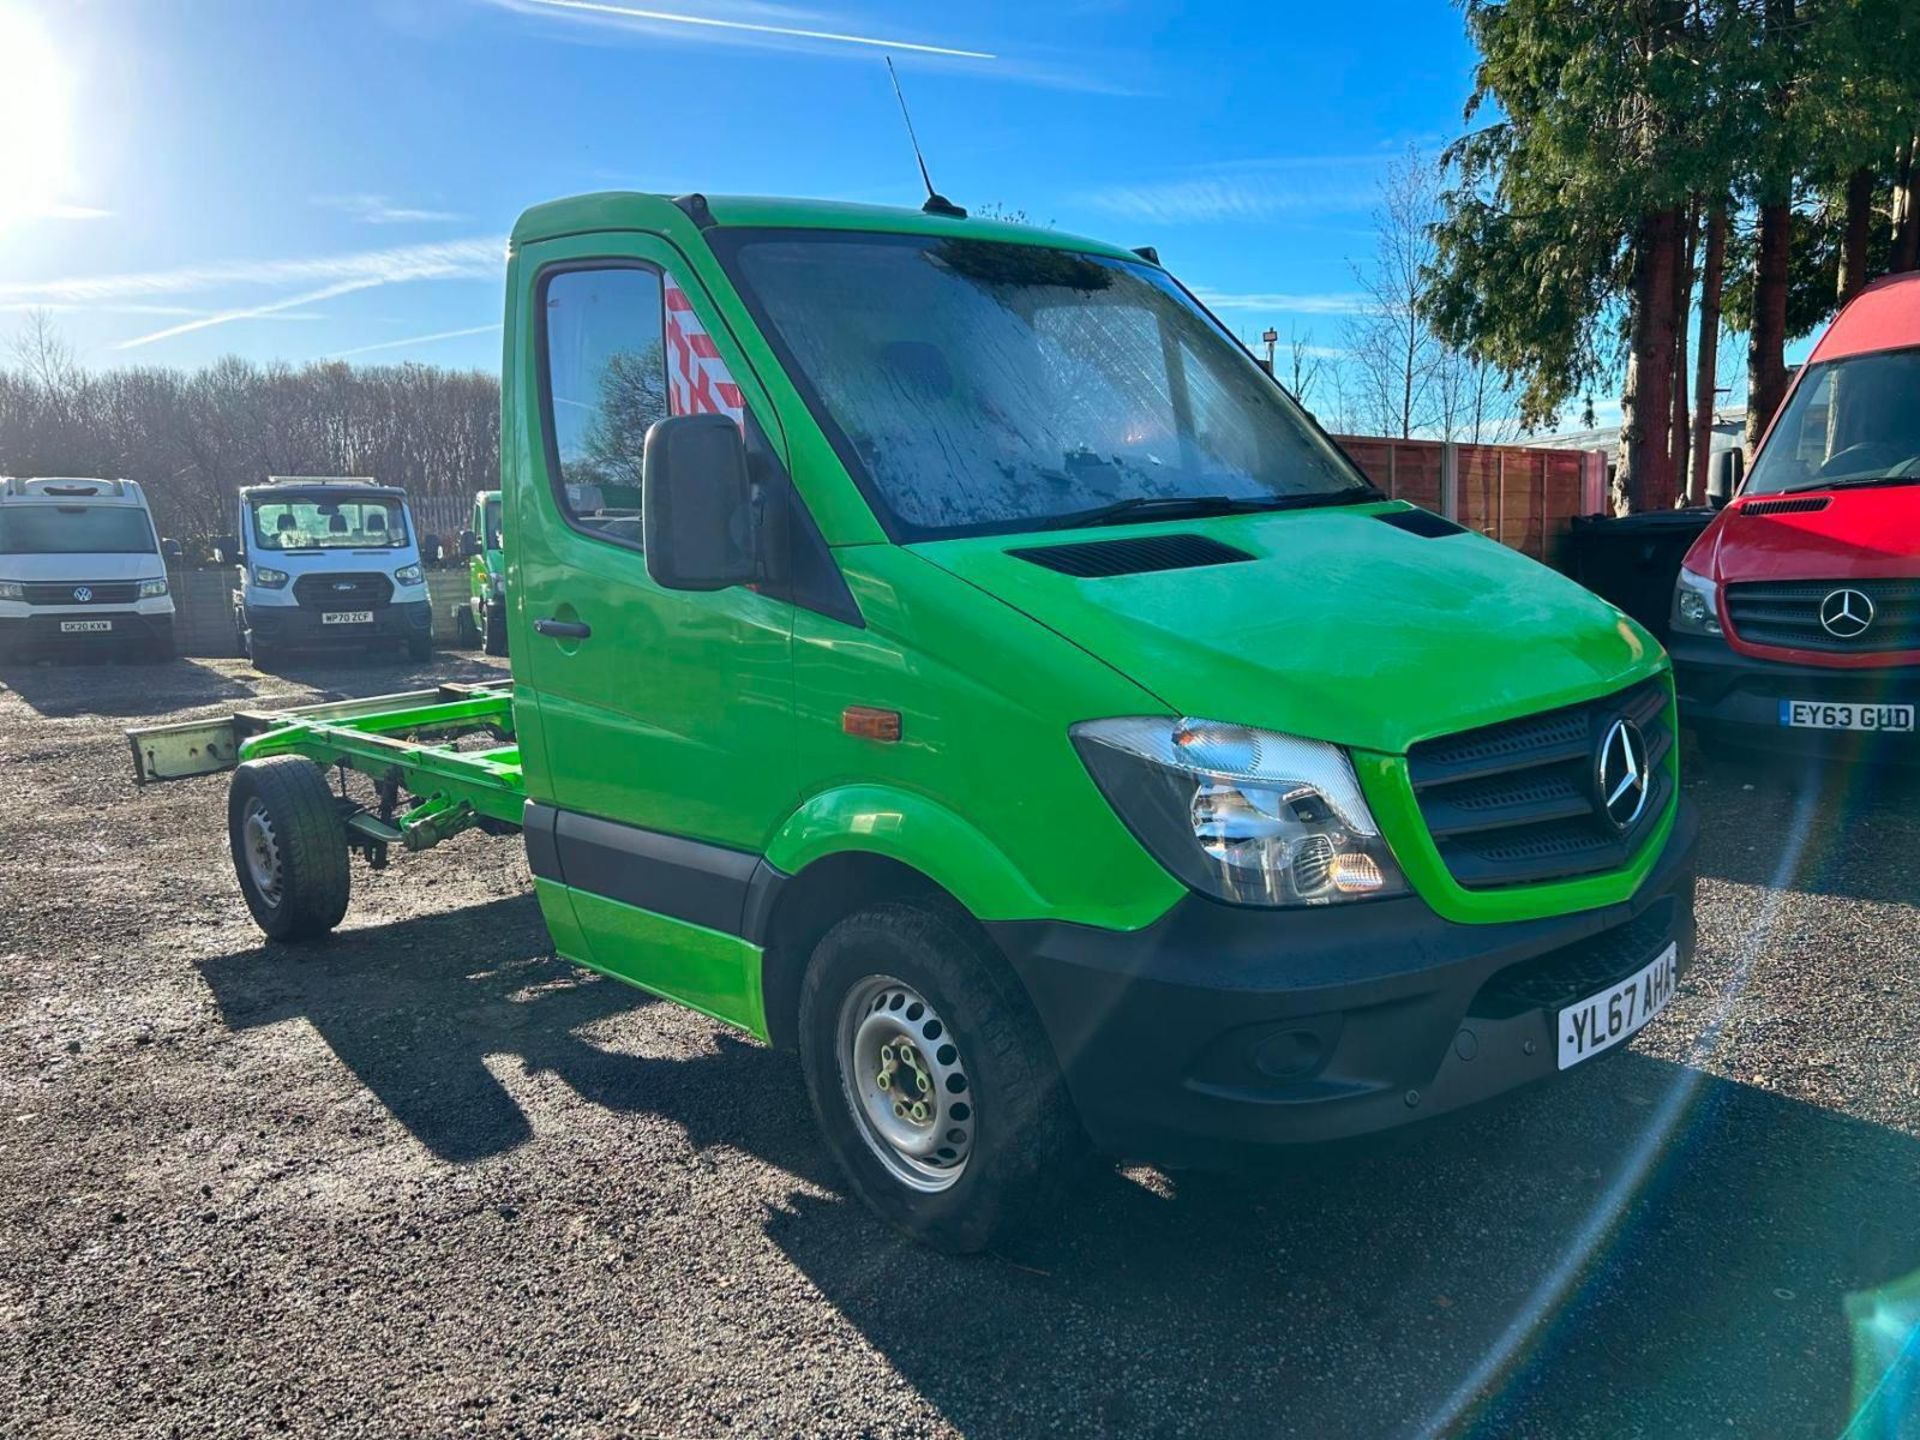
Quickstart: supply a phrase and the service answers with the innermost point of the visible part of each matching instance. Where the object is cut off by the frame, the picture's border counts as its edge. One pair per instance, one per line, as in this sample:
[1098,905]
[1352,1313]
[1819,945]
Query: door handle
[562,629]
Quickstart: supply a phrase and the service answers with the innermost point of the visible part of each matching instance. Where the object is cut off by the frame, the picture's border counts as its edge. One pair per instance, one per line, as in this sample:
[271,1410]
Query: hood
[1846,534]
[1340,627]
[114,565]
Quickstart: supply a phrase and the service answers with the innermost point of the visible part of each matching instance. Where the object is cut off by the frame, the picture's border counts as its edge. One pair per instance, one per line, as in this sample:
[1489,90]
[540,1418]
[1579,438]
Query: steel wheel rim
[260,845]
[895,1053]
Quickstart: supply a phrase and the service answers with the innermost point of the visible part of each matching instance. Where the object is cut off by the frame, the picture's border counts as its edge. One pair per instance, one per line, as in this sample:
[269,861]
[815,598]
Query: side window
[606,379]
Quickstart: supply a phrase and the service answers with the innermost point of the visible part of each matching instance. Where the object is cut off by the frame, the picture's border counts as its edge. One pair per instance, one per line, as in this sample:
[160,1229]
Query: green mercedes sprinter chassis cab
[938,648]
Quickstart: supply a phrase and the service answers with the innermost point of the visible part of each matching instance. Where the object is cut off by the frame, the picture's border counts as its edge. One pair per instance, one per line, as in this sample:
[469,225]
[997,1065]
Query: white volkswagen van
[81,566]
[326,562]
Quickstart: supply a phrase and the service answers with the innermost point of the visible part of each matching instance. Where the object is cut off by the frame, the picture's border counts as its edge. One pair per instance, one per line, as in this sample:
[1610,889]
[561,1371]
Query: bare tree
[1391,352]
[1306,365]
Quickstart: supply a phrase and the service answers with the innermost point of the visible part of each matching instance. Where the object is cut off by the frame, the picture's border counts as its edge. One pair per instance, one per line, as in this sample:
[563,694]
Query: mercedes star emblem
[1621,766]
[1846,614]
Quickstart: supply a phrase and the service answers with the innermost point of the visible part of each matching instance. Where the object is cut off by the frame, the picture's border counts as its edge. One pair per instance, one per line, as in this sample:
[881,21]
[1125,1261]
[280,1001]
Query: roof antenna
[937,204]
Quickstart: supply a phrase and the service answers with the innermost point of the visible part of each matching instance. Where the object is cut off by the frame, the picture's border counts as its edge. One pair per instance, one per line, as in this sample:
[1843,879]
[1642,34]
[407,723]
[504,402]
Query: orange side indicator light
[869,723]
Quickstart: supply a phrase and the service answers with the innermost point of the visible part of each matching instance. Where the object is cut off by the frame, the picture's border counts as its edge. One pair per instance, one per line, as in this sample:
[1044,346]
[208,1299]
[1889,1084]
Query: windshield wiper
[1863,483]
[1148,507]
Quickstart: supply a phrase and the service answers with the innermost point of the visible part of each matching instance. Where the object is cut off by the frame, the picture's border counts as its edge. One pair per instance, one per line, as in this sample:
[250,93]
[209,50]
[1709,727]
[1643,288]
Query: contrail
[710,22]
[414,340]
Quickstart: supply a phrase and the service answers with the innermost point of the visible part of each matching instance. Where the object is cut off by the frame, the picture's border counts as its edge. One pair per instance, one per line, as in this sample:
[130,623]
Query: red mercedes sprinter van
[1796,620]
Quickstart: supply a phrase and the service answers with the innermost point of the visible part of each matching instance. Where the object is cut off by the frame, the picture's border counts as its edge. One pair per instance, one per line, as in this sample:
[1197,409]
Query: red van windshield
[1854,421]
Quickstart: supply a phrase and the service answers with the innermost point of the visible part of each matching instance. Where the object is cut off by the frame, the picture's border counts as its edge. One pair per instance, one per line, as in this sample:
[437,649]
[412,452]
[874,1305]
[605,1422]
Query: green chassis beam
[405,738]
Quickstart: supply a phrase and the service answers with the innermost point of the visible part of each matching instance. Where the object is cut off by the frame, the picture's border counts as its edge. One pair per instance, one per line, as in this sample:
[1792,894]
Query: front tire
[496,643]
[289,847]
[466,632]
[931,1078]
[420,647]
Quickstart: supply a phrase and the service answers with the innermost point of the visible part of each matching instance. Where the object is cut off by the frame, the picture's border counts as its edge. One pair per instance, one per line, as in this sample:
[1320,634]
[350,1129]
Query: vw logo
[82,594]
[1621,769]
[1846,614]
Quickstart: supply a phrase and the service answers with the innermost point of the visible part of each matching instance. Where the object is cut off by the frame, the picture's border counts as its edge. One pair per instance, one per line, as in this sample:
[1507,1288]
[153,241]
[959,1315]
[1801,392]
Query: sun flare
[35,120]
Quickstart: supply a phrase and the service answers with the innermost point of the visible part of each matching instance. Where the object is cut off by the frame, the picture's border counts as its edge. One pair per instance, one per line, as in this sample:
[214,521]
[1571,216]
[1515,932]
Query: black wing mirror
[696,504]
[1724,475]
[469,544]
[229,548]
[171,549]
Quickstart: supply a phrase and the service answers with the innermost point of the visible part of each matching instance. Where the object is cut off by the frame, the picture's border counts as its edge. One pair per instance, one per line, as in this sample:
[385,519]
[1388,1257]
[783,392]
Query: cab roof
[1884,316]
[633,210]
[65,489]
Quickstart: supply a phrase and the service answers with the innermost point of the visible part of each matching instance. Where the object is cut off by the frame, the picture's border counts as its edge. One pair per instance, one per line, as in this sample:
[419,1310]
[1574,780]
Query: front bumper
[298,627]
[1220,1028]
[133,630]
[1723,690]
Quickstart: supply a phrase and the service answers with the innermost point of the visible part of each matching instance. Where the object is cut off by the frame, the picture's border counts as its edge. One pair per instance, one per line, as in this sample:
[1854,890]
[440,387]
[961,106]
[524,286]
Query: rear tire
[289,847]
[496,643]
[918,994]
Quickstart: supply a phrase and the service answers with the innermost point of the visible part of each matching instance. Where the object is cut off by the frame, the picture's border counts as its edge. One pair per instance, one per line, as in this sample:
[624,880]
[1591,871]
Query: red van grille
[1787,616]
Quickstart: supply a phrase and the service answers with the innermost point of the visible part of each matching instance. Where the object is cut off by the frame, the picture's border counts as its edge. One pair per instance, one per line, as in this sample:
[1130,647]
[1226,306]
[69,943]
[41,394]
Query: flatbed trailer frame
[405,743]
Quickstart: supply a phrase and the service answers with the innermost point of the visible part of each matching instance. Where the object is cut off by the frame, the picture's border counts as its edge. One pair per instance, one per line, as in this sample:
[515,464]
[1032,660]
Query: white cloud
[1246,191]
[474,259]
[1338,302]
[779,27]
[379,210]
[411,340]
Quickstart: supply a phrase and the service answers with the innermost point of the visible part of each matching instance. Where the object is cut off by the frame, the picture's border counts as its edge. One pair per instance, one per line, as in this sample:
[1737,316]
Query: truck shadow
[1350,1292]
[100,687]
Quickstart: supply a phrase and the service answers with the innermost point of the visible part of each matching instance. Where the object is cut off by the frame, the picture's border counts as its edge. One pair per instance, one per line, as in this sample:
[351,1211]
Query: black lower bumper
[298,627]
[32,635]
[1220,1028]
[1722,690]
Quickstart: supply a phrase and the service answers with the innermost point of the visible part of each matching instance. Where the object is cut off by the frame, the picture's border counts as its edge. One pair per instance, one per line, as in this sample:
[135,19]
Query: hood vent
[1787,507]
[1423,523]
[1098,559]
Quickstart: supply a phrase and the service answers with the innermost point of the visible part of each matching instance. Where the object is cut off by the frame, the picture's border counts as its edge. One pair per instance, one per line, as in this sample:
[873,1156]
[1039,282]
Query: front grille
[1517,803]
[1576,971]
[68,592]
[1787,615]
[343,592]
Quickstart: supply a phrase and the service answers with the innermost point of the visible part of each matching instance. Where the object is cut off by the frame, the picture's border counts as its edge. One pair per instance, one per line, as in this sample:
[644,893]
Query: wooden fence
[1521,495]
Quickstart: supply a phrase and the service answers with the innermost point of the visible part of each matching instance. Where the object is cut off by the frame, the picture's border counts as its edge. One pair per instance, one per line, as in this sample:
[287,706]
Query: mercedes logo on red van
[1846,614]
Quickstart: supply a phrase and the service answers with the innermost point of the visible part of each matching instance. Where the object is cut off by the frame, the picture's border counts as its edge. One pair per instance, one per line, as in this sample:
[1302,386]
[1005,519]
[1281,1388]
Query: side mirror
[696,504]
[229,548]
[469,544]
[431,551]
[172,549]
[1724,476]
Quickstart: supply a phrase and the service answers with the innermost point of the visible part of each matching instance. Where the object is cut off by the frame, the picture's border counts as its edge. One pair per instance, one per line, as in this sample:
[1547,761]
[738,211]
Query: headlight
[152,589]
[1696,605]
[12,590]
[1247,816]
[408,575]
[271,579]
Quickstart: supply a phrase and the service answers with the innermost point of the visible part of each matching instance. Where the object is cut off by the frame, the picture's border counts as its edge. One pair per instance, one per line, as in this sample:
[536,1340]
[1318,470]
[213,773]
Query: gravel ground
[424,1179]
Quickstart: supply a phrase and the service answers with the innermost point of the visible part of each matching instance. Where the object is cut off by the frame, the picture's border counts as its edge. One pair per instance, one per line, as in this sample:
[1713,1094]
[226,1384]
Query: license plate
[1825,715]
[346,617]
[1609,1017]
[85,627]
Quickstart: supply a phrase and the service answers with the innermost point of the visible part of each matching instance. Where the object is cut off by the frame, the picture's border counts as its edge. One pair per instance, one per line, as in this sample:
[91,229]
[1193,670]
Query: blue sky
[298,179]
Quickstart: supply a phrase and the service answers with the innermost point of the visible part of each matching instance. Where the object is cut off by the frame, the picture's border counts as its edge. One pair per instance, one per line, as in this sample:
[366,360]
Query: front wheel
[931,1079]
[496,643]
[420,647]
[466,631]
[289,846]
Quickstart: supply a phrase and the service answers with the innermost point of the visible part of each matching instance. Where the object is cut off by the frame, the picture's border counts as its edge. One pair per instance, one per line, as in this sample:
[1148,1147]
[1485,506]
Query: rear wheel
[496,629]
[289,846]
[931,1079]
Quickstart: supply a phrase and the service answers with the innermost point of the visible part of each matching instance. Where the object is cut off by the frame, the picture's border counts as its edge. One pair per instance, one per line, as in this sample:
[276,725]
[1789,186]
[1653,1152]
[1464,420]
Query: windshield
[976,386]
[328,522]
[1850,422]
[76,530]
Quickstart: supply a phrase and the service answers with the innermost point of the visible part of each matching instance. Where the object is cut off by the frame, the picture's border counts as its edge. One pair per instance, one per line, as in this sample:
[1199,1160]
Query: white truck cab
[81,566]
[328,561]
